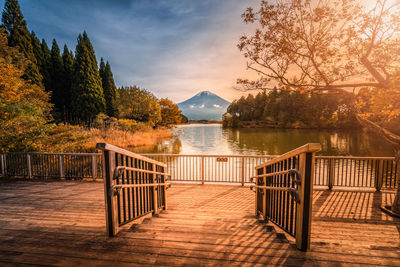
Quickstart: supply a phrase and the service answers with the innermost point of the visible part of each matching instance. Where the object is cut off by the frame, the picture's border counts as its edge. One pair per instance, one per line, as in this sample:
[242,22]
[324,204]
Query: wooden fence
[356,172]
[52,165]
[211,168]
[133,186]
[330,172]
[284,190]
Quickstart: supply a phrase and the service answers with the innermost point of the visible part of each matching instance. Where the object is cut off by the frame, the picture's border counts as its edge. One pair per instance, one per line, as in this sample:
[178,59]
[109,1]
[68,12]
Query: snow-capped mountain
[204,106]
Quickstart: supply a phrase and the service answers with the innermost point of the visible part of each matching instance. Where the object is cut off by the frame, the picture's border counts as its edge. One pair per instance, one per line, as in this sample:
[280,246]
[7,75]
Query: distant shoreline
[203,122]
[273,125]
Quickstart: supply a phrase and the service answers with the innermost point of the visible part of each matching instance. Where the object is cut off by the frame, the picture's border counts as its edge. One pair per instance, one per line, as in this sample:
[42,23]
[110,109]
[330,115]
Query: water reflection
[213,139]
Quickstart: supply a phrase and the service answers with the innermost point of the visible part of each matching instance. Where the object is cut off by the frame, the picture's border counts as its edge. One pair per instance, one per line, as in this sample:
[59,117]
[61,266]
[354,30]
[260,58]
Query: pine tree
[87,91]
[37,49]
[68,62]
[18,36]
[58,97]
[102,70]
[109,88]
[45,66]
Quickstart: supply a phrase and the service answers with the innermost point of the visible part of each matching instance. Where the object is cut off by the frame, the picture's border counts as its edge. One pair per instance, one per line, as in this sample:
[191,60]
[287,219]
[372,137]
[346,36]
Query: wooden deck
[63,223]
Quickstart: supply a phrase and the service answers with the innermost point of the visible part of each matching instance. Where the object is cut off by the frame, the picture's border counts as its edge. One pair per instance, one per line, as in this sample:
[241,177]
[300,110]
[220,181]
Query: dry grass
[67,138]
[126,139]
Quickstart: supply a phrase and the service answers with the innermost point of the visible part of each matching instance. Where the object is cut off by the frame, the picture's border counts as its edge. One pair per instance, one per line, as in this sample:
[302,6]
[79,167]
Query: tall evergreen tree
[18,36]
[102,70]
[68,64]
[87,91]
[45,65]
[37,49]
[109,88]
[58,96]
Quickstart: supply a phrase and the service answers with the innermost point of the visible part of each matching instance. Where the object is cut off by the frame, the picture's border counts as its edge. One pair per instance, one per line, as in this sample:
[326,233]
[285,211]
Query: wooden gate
[284,188]
[134,186]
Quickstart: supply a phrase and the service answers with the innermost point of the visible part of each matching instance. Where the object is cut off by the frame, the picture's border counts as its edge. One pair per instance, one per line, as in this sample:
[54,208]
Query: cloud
[172,48]
[216,106]
[202,106]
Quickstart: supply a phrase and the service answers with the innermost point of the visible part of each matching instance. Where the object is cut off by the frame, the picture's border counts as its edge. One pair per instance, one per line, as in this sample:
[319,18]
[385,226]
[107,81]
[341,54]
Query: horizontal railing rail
[361,172]
[330,171]
[283,192]
[51,165]
[211,168]
[134,186]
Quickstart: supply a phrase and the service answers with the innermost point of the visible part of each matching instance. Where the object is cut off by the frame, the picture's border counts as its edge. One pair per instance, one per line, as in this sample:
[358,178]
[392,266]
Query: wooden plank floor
[63,223]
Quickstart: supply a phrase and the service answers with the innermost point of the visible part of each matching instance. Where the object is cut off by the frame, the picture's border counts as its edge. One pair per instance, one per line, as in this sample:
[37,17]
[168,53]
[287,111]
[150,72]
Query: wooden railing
[330,171]
[51,165]
[356,172]
[283,192]
[211,168]
[134,186]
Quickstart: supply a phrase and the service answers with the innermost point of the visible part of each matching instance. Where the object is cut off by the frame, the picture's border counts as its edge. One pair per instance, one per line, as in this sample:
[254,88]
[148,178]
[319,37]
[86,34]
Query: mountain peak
[204,106]
[205,93]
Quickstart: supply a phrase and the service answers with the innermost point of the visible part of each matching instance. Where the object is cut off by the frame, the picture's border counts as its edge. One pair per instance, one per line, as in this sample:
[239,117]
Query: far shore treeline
[53,100]
[285,108]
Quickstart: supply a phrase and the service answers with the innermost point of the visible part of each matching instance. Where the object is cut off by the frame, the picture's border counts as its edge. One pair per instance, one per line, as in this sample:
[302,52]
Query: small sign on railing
[222,159]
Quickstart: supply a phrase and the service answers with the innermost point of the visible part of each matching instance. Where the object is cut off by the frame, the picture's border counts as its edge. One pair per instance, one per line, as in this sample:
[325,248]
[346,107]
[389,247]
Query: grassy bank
[67,138]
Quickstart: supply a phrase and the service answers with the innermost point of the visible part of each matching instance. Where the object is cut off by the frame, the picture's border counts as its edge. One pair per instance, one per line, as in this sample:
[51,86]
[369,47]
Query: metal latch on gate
[115,190]
[118,172]
[295,194]
[296,176]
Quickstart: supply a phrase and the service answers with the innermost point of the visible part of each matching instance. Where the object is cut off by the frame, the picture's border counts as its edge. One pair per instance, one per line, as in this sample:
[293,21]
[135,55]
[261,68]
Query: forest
[53,100]
[286,108]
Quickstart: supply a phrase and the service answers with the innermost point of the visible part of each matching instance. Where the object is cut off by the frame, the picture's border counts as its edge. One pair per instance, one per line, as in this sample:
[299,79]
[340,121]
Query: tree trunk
[396,202]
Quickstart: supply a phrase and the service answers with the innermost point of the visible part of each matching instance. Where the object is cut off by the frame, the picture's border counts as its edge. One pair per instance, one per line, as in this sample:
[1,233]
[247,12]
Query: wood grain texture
[63,224]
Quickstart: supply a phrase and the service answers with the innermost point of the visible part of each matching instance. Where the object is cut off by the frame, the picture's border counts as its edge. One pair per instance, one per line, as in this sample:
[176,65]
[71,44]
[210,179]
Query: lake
[213,139]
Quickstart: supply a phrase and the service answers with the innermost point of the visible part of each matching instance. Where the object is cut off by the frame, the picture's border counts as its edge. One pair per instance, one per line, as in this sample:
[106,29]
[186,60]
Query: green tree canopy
[109,88]
[68,69]
[138,104]
[87,91]
[170,112]
[18,36]
[59,96]
[45,65]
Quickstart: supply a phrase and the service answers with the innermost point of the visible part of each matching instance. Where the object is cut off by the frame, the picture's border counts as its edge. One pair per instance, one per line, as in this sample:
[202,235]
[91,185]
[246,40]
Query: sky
[173,48]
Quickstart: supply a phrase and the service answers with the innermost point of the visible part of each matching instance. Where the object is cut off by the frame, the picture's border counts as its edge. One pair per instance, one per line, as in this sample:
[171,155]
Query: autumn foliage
[24,107]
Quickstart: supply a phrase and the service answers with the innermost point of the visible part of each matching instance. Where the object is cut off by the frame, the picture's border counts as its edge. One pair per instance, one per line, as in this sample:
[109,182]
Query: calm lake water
[213,139]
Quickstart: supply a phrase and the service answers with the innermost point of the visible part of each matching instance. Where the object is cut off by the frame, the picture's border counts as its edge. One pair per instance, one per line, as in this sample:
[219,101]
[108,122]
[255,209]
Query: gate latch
[295,194]
[118,172]
[296,176]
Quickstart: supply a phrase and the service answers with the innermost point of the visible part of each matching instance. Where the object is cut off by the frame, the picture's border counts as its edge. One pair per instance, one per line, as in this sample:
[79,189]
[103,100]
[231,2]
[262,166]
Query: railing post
[61,166]
[304,208]
[242,177]
[29,165]
[379,178]
[110,197]
[331,174]
[202,170]
[256,194]
[264,201]
[3,161]
[94,167]
[155,189]
[164,180]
